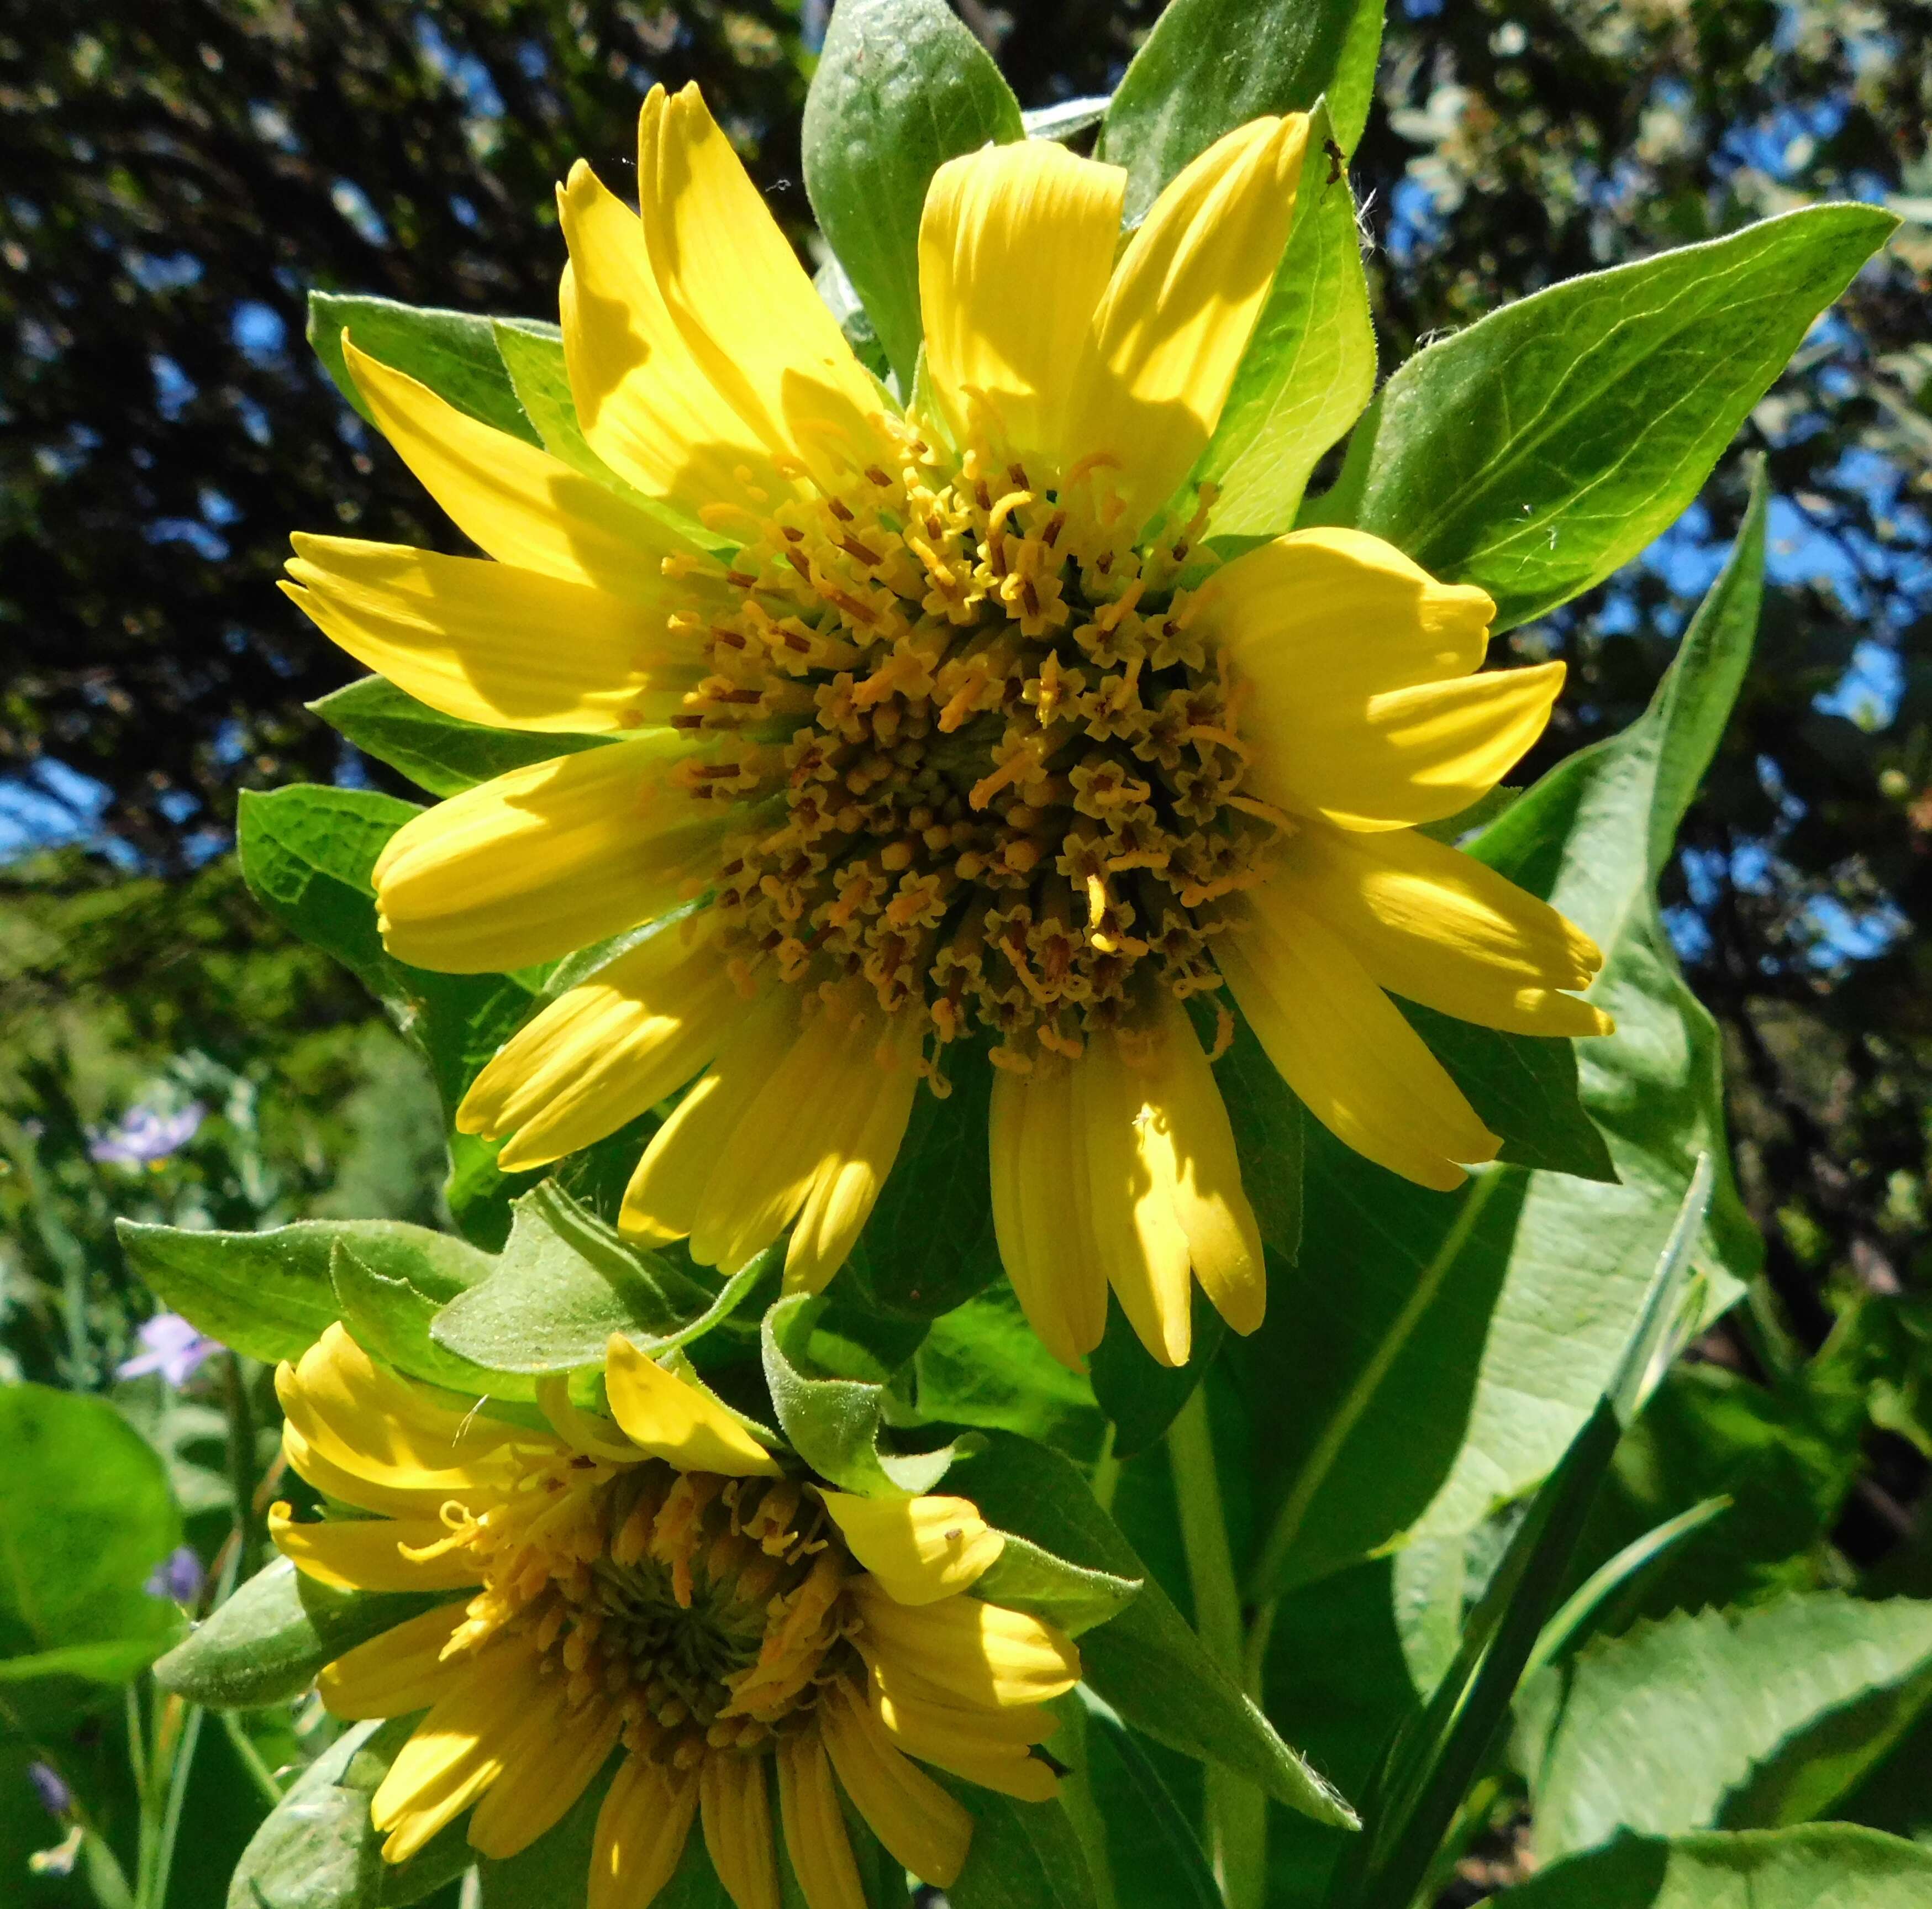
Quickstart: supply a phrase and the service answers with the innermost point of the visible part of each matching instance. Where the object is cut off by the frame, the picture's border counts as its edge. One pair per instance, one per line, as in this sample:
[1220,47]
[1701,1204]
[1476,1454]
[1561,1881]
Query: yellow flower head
[659,1586]
[953,727]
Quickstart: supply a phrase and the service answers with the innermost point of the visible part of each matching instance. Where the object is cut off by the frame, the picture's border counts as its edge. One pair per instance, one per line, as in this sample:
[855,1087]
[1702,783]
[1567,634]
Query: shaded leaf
[1074,1597]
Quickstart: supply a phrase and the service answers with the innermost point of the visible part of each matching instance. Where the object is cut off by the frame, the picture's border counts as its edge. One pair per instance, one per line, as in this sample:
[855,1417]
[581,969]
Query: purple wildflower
[147,1136]
[56,1798]
[172,1347]
[178,1576]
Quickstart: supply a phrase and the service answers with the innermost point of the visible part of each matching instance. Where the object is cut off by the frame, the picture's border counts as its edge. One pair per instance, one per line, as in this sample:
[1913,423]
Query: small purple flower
[173,1348]
[147,1136]
[56,1798]
[178,1576]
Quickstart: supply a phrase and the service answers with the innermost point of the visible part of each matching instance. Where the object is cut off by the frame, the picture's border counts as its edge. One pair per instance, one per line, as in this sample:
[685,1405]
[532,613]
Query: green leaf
[901,87]
[1141,1396]
[1211,65]
[443,754]
[1184,1876]
[1538,451]
[928,1245]
[390,1313]
[454,353]
[86,1515]
[266,1643]
[1074,1597]
[1668,1728]
[834,1423]
[1309,368]
[1024,1855]
[841,300]
[565,1281]
[317,1848]
[1827,1865]
[1065,119]
[1494,1316]
[981,1364]
[269,1295]
[1145,1662]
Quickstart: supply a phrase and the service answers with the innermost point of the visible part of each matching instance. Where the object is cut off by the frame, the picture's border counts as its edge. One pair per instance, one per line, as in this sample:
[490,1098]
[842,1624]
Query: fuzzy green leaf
[266,1643]
[1074,1597]
[901,87]
[1539,450]
[1211,65]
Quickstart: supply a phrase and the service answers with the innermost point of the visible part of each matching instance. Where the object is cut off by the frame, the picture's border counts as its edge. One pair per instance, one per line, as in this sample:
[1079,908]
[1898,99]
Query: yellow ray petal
[762,336]
[371,1554]
[1175,319]
[545,859]
[646,406]
[663,1199]
[967,1742]
[641,1830]
[980,1653]
[737,1813]
[1436,926]
[1405,756]
[1342,612]
[1138,1239]
[1339,1041]
[1187,1150]
[1039,1194]
[919,1549]
[347,1488]
[603,1053]
[403,1670]
[1016,246]
[513,500]
[490,644]
[376,1425]
[460,1748]
[846,1186]
[534,1791]
[814,1831]
[924,1829]
[675,1421]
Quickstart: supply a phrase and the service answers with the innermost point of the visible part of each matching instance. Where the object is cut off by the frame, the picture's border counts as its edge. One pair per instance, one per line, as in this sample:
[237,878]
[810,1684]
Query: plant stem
[1237,1810]
[251,1758]
[241,1463]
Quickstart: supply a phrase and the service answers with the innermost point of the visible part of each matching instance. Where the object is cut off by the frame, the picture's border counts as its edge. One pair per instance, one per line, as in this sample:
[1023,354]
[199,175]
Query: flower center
[1012,790]
[709,1610]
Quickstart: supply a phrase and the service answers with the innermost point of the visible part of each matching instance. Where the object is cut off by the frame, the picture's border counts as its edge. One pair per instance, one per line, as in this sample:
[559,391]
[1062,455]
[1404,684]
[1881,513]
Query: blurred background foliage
[175,180]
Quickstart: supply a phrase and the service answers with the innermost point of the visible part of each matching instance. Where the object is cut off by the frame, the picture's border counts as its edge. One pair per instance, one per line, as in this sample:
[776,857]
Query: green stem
[1237,1810]
[241,1463]
[1287,1527]
[182,1764]
[251,1758]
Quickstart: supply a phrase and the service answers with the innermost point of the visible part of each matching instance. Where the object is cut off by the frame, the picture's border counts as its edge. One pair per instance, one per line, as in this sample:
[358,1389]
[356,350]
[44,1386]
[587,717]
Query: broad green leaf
[317,1848]
[1495,1317]
[1824,1866]
[1539,450]
[1074,1597]
[929,1243]
[981,1364]
[1211,65]
[266,1643]
[565,1281]
[86,1515]
[389,1313]
[533,356]
[1147,1663]
[1136,1807]
[1666,1728]
[834,1423]
[1024,1855]
[1138,1394]
[269,1295]
[443,754]
[902,86]
[1436,1754]
[1309,368]
[307,852]
[454,353]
